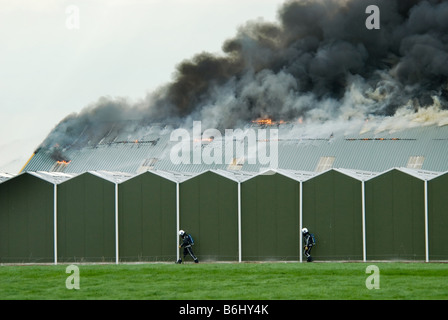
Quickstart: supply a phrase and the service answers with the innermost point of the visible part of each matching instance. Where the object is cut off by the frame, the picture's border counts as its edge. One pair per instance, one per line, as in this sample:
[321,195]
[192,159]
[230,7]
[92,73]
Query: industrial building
[367,196]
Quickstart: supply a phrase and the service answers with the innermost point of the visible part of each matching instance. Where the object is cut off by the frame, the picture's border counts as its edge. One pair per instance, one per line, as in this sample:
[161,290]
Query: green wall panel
[26,220]
[209,211]
[395,217]
[86,219]
[147,219]
[438,218]
[332,210]
[270,218]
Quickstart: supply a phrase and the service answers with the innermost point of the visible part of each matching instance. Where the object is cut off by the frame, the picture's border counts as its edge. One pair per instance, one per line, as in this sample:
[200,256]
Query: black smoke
[318,61]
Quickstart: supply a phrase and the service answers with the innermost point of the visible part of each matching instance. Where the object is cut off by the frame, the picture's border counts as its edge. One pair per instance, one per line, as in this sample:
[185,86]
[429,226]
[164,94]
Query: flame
[63,162]
[264,121]
[268,121]
[204,140]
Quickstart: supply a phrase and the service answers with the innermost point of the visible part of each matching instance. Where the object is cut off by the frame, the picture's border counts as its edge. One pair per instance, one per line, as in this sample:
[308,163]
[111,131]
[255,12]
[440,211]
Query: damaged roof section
[297,147]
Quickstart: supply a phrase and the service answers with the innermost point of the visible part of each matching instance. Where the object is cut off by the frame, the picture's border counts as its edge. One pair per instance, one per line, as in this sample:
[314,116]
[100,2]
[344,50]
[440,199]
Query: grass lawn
[227,281]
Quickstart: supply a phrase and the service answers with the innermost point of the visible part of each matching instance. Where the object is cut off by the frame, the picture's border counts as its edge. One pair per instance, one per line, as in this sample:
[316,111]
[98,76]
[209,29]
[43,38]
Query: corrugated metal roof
[299,149]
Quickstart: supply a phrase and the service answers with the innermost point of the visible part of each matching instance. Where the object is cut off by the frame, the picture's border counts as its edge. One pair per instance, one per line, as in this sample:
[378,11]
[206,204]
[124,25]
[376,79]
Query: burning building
[360,99]
[353,123]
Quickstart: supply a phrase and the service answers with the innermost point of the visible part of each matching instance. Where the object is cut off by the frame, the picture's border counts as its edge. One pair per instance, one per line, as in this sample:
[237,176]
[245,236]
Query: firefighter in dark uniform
[308,244]
[187,243]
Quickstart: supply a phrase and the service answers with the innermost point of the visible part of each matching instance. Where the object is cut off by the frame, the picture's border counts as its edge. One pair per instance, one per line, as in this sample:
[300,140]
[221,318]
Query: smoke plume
[317,62]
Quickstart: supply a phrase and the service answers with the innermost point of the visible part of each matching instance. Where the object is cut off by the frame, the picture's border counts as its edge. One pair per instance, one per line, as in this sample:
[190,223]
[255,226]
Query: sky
[58,57]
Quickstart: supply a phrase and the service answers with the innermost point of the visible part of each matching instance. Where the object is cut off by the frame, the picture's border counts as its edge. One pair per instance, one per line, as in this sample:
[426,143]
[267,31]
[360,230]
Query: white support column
[55,221]
[363,202]
[300,219]
[239,223]
[177,221]
[426,223]
[116,225]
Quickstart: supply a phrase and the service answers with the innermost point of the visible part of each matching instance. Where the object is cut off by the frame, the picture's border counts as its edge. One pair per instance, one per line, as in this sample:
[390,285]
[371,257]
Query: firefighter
[187,243]
[308,244]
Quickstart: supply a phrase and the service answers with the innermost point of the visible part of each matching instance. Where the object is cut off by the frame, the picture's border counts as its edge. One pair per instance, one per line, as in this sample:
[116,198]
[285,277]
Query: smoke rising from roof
[317,63]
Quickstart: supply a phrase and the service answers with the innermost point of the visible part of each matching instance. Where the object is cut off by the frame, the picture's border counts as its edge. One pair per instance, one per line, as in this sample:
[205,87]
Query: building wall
[332,210]
[438,218]
[270,218]
[147,219]
[26,220]
[86,219]
[209,212]
[270,213]
[395,217]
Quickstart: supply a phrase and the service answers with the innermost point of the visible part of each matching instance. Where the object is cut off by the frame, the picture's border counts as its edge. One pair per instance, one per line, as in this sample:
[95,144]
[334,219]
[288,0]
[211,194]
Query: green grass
[227,281]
